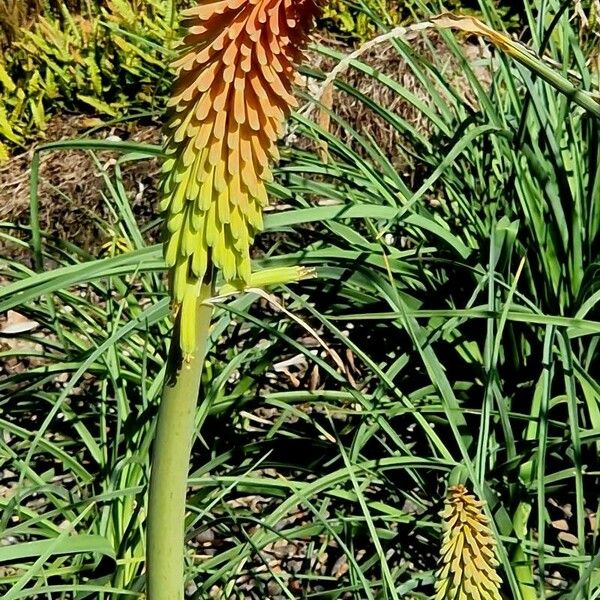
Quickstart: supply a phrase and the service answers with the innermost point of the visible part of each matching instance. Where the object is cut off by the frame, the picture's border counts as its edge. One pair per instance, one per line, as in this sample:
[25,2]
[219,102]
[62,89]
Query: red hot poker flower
[231,97]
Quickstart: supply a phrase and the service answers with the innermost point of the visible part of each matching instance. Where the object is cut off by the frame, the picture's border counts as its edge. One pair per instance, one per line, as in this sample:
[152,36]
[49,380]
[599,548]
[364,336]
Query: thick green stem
[170,463]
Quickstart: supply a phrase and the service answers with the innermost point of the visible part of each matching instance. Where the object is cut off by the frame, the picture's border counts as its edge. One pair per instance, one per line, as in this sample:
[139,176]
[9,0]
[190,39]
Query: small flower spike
[231,97]
[468,557]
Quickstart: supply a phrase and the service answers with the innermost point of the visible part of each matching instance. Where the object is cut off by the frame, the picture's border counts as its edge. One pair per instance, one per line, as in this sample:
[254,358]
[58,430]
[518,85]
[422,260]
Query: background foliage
[106,58]
[109,58]
[452,336]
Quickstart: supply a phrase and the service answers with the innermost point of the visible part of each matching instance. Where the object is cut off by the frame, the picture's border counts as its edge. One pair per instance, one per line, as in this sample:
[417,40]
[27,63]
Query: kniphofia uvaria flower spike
[232,94]
[468,557]
[231,97]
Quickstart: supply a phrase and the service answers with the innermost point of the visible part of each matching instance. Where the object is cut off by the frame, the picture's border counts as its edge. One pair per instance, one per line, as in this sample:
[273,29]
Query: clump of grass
[435,341]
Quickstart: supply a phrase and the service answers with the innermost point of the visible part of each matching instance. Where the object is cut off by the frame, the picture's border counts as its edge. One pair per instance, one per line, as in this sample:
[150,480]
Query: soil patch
[74,202]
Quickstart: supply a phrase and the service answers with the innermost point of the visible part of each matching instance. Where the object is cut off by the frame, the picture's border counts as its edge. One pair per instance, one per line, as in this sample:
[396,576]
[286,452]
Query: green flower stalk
[468,557]
[232,94]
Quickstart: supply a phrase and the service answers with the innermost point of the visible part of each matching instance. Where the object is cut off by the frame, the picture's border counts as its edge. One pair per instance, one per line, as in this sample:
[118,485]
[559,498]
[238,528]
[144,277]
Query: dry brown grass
[71,188]
[386,60]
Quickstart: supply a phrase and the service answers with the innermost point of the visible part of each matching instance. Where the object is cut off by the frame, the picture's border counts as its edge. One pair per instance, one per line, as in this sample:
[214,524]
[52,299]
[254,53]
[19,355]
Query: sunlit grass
[467,330]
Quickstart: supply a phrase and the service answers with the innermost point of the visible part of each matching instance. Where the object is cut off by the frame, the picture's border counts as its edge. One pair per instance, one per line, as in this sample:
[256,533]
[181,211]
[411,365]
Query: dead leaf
[592,516]
[17,323]
[315,378]
[325,118]
[561,525]
[340,568]
[569,538]
[350,359]
[566,509]
[470,24]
